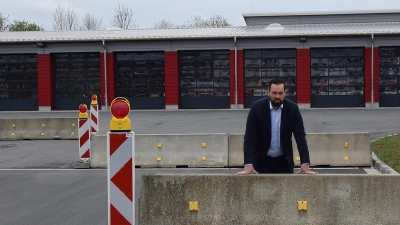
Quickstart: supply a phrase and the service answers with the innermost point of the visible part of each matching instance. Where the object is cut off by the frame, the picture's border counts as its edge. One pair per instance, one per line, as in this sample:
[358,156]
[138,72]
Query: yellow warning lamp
[120,109]
[94,99]
[83,111]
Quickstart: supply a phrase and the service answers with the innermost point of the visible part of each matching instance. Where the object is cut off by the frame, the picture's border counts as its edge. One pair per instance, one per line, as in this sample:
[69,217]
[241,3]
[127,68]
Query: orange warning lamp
[94,99]
[120,110]
[83,111]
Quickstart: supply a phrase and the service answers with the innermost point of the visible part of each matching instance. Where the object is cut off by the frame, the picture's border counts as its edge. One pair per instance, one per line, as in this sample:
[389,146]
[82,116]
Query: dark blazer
[257,138]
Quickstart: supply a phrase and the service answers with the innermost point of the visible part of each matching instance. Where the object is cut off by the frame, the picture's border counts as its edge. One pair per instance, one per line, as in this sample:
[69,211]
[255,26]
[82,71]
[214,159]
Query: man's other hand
[247,170]
[306,169]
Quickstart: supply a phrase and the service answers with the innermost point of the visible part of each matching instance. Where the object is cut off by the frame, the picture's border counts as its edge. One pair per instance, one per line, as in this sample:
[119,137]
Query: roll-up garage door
[261,66]
[204,79]
[18,82]
[140,79]
[389,82]
[337,77]
[77,78]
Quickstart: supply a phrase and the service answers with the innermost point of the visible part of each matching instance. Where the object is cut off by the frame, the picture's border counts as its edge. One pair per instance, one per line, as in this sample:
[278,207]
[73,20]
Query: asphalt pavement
[38,184]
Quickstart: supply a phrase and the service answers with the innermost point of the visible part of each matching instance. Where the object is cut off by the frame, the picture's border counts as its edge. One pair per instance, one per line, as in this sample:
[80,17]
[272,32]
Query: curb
[379,165]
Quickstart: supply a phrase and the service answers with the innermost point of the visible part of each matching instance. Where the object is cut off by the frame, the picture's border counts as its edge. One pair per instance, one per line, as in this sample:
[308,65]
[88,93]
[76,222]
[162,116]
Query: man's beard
[276,104]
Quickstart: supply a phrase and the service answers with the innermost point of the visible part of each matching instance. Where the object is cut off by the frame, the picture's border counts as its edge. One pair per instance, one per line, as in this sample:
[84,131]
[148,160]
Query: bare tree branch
[163,24]
[123,17]
[65,19]
[217,21]
[90,22]
[195,21]
[198,21]
[58,18]
[72,20]
[3,22]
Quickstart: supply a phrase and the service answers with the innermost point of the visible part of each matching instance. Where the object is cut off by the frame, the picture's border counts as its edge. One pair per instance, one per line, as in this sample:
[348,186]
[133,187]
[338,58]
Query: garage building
[327,59]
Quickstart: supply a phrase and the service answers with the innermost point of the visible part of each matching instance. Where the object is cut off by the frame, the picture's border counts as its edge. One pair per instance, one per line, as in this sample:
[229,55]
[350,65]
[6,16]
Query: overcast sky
[148,12]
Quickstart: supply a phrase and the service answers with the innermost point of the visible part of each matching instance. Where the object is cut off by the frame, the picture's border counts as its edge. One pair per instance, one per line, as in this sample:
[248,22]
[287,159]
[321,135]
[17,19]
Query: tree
[217,21]
[163,24]
[22,25]
[195,21]
[65,19]
[3,22]
[214,21]
[90,22]
[123,17]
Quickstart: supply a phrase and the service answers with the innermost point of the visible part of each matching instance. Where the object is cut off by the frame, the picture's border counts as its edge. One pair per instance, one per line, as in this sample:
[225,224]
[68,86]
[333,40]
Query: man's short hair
[277,81]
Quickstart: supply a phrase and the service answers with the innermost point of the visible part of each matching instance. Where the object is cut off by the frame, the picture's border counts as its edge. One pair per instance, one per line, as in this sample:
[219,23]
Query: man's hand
[305,169]
[247,170]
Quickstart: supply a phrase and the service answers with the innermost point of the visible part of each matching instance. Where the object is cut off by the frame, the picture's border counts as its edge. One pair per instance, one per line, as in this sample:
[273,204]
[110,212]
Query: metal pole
[105,75]
[372,71]
[236,78]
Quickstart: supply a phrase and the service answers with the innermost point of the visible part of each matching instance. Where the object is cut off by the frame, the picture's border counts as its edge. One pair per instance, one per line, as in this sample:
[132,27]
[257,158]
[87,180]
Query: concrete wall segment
[176,150]
[261,199]
[182,150]
[225,150]
[326,149]
[54,128]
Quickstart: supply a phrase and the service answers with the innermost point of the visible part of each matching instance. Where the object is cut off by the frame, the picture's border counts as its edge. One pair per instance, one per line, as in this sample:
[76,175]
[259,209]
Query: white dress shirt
[275,149]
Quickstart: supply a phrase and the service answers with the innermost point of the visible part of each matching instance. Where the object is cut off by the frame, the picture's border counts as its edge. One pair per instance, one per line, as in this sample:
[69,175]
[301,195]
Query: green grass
[387,149]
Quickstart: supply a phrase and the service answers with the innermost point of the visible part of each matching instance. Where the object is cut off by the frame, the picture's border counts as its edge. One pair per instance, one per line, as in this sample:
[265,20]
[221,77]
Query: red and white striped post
[121,165]
[83,131]
[94,115]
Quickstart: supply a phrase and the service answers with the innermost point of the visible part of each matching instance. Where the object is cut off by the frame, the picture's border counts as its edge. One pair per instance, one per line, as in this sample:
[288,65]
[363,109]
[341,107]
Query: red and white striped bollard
[121,165]
[84,135]
[94,115]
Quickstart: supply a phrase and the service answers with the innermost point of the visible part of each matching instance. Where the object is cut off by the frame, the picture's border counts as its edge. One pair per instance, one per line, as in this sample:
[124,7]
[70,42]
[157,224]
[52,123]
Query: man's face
[277,94]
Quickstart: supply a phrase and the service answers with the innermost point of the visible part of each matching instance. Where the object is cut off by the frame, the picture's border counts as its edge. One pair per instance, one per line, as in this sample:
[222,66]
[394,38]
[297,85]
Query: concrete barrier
[175,150]
[330,149]
[187,150]
[236,157]
[39,128]
[270,199]
[98,150]
[326,149]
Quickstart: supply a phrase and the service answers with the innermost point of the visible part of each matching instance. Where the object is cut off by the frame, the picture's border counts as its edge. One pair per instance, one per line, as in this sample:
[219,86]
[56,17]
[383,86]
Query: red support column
[368,76]
[240,78]
[110,78]
[171,80]
[303,75]
[45,82]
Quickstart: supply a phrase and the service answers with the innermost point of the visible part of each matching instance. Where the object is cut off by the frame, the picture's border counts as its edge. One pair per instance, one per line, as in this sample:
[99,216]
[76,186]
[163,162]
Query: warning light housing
[120,109]
[83,111]
[94,99]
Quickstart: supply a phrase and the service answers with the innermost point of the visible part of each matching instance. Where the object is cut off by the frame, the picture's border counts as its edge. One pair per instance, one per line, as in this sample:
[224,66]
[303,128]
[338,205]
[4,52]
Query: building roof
[274,30]
[315,13]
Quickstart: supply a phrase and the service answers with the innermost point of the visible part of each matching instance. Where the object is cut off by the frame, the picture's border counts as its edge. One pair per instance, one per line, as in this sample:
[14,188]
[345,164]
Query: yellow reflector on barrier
[302,205]
[194,206]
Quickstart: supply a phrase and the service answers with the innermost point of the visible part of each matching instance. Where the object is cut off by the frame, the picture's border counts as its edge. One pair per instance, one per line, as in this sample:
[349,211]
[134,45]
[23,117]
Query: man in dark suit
[268,137]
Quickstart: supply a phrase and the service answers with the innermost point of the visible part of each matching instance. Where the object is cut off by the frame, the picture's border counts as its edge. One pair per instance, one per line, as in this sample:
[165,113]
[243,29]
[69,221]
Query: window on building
[204,73]
[389,70]
[18,76]
[140,74]
[77,75]
[337,71]
[261,66]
